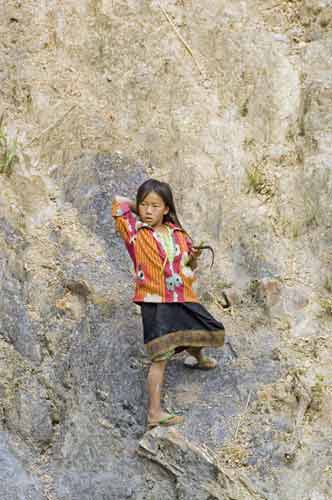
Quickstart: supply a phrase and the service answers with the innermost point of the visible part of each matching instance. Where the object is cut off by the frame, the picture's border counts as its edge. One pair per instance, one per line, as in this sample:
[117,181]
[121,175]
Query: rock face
[230,102]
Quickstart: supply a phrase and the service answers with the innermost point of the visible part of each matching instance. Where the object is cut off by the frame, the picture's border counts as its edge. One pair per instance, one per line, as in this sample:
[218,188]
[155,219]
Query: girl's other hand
[196,252]
[124,199]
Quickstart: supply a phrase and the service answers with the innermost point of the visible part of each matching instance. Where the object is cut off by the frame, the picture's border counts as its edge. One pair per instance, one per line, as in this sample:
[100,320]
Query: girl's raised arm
[124,199]
[124,213]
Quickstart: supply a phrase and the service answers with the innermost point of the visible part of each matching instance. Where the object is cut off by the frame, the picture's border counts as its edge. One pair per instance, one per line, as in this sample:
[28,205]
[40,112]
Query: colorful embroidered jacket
[157,280]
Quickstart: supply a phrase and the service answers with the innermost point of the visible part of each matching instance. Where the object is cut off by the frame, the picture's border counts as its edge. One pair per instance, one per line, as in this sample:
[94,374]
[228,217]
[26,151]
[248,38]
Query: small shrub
[255,179]
[289,228]
[257,182]
[328,284]
[326,305]
[8,156]
[311,211]
[253,289]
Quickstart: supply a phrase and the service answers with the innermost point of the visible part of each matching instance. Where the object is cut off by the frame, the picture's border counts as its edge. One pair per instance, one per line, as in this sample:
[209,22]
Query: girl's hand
[197,250]
[124,199]
[196,253]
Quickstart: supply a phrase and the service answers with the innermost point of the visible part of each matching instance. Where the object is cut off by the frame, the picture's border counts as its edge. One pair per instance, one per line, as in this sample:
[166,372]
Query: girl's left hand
[196,252]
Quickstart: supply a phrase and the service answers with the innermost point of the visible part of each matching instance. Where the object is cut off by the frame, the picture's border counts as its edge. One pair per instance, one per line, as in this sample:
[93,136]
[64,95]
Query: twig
[178,34]
[273,7]
[240,417]
[56,123]
[250,487]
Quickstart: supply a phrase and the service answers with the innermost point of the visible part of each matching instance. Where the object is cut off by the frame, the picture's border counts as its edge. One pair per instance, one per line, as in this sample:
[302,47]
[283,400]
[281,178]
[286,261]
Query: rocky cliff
[230,102]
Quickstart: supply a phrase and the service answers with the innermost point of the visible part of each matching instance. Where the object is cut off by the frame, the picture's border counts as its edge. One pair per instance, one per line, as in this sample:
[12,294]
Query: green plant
[328,284]
[257,181]
[253,288]
[311,211]
[249,142]
[289,228]
[8,156]
[244,108]
[295,230]
[326,305]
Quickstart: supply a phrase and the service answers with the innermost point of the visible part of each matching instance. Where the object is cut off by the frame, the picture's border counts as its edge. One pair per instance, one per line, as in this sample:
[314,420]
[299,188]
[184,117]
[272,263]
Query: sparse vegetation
[289,228]
[311,211]
[253,288]
[328,284]
[8,156]
[295,230]
[283,323]
[249,142]
[326,305]
[244,108]
[318,392]
[257,181]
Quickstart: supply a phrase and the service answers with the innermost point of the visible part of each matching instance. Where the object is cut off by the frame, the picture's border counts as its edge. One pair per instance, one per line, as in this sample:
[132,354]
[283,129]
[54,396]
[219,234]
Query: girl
[164,259]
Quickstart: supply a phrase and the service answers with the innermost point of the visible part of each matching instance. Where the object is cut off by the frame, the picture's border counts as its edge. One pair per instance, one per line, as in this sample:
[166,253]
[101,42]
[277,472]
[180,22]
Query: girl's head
[155,204]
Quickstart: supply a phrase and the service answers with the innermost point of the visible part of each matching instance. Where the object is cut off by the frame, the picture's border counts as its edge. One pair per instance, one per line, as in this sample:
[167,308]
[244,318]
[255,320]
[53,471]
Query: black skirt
[179,325]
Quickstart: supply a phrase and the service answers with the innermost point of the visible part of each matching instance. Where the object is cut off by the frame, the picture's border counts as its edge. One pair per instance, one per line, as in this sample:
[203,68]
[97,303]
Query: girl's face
[152,210]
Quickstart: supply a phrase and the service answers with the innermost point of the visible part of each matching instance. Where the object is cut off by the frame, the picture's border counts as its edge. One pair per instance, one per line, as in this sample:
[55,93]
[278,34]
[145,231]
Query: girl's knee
[163,357]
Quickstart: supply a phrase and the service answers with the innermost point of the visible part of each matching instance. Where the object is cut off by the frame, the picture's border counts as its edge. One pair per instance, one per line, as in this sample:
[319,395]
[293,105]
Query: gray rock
[15,482]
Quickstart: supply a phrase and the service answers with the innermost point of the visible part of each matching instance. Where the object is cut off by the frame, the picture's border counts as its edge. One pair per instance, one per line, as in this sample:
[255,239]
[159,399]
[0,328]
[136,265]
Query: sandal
[166,421]
[205,363]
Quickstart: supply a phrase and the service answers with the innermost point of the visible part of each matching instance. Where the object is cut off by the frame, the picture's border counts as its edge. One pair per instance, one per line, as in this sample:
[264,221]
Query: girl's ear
[166,210]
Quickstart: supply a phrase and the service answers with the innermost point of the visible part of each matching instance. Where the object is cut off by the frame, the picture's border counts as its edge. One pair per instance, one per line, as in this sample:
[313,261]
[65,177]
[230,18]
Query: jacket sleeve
[189,242]
[126,224]
[192,259]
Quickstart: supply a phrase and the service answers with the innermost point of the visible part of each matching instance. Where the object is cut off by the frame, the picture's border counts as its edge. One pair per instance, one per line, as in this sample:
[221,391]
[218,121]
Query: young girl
[164,259]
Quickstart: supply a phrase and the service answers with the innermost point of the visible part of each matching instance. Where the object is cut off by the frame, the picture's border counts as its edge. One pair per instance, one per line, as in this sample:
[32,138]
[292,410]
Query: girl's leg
[155,382]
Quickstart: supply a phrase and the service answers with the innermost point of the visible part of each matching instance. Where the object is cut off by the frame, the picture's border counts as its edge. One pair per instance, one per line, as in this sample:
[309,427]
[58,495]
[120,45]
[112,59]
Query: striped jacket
[156,279]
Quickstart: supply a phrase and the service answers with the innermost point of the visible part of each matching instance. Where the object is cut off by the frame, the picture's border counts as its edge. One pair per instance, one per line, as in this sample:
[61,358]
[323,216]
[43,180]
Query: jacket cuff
[190,246]
[120,208]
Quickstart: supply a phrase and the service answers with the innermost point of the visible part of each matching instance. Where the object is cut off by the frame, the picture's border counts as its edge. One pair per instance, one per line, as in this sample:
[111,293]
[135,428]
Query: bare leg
[155,382]
[155,413]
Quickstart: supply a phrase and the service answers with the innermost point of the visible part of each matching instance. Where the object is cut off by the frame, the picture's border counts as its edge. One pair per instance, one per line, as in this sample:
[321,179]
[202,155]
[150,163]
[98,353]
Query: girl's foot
[164,419]
[203,363]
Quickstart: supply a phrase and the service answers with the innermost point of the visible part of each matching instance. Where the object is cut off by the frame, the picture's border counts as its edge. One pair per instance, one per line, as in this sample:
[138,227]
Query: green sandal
[169,420]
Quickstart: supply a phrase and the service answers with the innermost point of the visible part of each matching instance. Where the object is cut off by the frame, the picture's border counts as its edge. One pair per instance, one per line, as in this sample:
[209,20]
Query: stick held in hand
[201,246]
